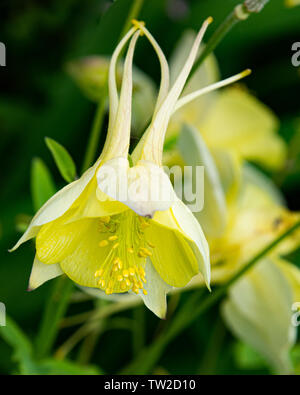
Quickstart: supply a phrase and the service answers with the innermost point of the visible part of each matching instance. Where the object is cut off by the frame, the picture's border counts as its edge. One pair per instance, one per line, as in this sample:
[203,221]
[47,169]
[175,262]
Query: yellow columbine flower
[145,241]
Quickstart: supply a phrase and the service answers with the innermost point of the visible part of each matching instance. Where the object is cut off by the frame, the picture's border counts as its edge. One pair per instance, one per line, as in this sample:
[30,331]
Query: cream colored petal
[57,205]
[229,168]
[157,289]
[251,175]
[292,273]
[164,83]
[113,91]
[41,273]
[258,311]
[213,216]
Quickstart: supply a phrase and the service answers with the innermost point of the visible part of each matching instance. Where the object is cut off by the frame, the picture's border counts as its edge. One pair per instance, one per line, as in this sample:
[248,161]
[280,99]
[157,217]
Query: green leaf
[55,367]
[63,159]
[14,336]
[23,354]
[42,185]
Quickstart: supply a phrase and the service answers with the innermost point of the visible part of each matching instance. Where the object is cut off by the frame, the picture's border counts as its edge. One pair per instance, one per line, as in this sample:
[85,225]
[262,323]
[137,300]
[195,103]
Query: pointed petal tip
[138,25]
[209,20]
[246,72]
[14,248]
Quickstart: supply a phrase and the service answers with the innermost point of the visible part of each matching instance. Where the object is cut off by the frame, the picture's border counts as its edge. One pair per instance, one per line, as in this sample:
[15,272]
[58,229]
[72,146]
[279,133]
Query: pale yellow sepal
[42,273]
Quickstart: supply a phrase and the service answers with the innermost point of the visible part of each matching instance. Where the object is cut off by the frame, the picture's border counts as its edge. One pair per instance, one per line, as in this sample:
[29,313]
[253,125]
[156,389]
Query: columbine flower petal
[179,218]
[155,297]
[41,273]
[258,310]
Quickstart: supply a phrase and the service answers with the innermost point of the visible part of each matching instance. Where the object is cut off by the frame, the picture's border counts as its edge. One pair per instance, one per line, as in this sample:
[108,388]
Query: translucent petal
[258,311]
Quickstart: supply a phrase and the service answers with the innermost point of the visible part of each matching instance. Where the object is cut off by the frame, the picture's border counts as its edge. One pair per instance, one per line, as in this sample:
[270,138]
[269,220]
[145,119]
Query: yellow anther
[105,220]
[144,225]
[141,254]
[145,292]
[115,268]
[115,246]
[150,244]
[209,20]
[112,238]
[130,250]
[140,285]
[102,283]
[103,243]
[99,273]
[120,277]
[138,25]
[120,264]
[146,251]
[123,286]
[128,282]
[135,290]
[131,271]
[125,273]
[108,291]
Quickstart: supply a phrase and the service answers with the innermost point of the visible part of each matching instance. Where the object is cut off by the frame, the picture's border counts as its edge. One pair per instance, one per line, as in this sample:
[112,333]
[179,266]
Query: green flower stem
[95,322]
[191,310]
[240,13]
[55,310]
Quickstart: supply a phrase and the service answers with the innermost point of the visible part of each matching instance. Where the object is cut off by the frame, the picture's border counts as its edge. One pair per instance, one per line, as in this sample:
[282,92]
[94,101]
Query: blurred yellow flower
[232,122]
[292,3]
